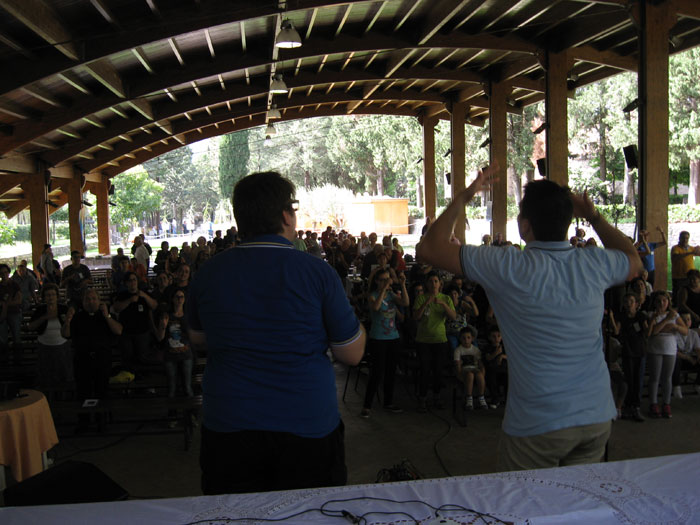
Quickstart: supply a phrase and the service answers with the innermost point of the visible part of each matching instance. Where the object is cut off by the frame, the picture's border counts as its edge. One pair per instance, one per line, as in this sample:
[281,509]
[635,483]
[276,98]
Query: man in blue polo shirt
[267,314]
[560,406]
[646,252]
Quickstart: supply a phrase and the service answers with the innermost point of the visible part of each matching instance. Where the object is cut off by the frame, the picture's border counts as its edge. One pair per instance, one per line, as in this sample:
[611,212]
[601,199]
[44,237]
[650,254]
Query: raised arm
[611,237]
[435,247]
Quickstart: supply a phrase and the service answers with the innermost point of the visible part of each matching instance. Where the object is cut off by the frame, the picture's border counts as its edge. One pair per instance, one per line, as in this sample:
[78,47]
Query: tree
[135,196]
[234,154]
[684,121]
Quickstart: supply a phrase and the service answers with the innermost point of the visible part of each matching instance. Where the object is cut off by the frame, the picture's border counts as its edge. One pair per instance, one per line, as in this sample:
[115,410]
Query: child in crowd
[631,330]
[618,384]
[496,364]
[664,324]
[469,367]
[686,357]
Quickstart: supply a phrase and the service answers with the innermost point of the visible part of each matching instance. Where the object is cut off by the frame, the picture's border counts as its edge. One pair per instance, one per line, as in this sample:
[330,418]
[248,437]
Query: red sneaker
[654,411]
[667,411]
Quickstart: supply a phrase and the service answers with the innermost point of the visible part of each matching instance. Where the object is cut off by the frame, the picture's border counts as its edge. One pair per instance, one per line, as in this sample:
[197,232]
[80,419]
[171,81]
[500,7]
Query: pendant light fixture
[288,37]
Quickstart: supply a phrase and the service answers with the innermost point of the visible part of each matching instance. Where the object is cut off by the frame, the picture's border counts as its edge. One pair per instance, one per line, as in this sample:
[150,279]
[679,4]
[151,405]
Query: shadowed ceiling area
[104,85]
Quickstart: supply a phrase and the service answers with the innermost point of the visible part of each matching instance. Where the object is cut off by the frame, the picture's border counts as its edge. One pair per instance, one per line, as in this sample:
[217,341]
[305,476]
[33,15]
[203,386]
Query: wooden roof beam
[438,16]
[688,8]
[11,181]
[107,75]
[605,58]
[71,78]
[41,18]
[106,12]
[143,106]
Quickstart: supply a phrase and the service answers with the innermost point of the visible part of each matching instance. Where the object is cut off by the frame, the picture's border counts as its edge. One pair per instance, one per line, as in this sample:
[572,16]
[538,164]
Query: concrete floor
[156,466]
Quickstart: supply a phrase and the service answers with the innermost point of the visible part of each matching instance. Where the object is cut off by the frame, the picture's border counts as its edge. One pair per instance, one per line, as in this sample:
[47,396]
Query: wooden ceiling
[107,84]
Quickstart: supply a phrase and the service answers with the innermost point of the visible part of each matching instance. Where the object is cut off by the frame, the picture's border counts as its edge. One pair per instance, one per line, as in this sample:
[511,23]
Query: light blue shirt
[548,300]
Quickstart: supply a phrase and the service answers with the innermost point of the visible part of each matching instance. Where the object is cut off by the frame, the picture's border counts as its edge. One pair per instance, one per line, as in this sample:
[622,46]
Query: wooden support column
[499,153]
[75,206]
[35,189]
[457,122]
[428,125]
[556,115]
[654,21]
[101,191]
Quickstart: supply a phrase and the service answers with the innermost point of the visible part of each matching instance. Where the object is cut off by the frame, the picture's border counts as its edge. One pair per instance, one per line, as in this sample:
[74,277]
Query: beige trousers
[567,446]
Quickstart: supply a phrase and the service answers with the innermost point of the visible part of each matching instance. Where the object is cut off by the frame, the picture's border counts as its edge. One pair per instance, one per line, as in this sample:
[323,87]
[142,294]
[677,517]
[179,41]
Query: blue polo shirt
[648,260]
[269,313]
[548,300]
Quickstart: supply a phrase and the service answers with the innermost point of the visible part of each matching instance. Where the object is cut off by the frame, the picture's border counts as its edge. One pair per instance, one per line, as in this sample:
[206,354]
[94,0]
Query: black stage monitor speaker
[69,482]
[631,156]
[542,166]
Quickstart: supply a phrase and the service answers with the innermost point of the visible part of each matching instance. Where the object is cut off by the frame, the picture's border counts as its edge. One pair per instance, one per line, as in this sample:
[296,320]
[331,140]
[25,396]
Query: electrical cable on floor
[104,447]
[435,445]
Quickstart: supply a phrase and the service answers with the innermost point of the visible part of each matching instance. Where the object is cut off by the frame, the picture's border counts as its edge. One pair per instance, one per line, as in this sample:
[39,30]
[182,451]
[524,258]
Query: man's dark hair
[258,202]
[549,209]
[3,265]
[76,252]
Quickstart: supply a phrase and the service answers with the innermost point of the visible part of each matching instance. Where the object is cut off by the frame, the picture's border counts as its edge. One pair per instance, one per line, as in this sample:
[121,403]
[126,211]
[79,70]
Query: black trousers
[263,461]
[634,374]
[431,359]
[384,354]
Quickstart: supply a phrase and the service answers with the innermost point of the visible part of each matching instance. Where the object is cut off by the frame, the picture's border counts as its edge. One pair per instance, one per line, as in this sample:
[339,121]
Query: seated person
[172,335]
[161,256]
[181,281]
[140,270]
[159,286]
[689,297]
[496,365]
[173,262]
[76,277]
[687,357]
[464,310]
[469,367]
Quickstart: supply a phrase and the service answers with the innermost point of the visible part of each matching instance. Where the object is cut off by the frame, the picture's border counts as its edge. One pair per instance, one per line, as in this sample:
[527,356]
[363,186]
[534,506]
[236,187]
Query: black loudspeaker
[448,176]
[631,157]
[111,189]
[69,482]
[542,166]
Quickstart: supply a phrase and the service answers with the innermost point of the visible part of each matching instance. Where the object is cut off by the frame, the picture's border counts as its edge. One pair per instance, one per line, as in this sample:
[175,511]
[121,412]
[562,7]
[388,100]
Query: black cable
[104,447]
[435,445]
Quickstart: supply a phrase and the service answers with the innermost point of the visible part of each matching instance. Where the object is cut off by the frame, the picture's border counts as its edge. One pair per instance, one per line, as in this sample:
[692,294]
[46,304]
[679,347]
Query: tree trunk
[694,186]
[380,182]
[513,184]
[628,192]
[307,179]
[419,191]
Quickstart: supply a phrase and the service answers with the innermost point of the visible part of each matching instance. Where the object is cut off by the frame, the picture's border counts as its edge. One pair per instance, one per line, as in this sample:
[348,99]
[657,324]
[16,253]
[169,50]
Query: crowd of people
[476,313]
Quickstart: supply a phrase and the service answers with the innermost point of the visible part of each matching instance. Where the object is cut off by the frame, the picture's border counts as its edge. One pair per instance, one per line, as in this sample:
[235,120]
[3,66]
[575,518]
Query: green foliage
[135,195]
[234,154]
[7,231]
[414,212]
[683,213]
[684,102]
[62,231]
[23,232]
[618,213]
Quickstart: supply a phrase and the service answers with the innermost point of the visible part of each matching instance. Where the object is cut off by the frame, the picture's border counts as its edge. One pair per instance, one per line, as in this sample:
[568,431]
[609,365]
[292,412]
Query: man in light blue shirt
[548,300]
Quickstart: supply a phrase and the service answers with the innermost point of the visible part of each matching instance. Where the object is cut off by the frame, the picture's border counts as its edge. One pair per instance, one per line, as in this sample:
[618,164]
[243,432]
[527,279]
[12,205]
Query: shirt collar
[549,245]
[268,240]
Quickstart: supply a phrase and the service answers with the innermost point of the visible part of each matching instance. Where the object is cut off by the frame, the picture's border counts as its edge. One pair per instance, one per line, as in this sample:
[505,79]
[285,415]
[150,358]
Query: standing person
[76,278]
[646,251]
[268,314]
[92,330]
[682,261]
[54,355]
[10,313]
[140,251]
[664,324]
[430,311]
[384,339]
[134,308]
[47,266]
[560,406]
[171,333]
[299,243]
[27,286]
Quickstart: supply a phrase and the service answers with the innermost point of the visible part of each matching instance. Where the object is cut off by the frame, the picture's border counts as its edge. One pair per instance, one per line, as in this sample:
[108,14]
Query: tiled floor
[154,466]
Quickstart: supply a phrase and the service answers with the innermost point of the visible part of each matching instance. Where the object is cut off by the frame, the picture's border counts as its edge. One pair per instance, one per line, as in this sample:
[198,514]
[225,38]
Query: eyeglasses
[294,205]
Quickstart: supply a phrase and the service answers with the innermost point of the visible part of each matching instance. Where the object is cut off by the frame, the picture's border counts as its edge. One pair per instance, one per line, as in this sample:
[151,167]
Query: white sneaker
[677,392]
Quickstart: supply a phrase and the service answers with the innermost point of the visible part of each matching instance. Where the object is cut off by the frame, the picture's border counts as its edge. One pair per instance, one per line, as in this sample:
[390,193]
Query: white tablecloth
[644,491]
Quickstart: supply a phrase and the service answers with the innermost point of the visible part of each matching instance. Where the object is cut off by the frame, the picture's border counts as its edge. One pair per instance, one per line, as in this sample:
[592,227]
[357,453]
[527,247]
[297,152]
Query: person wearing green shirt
[430,311]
